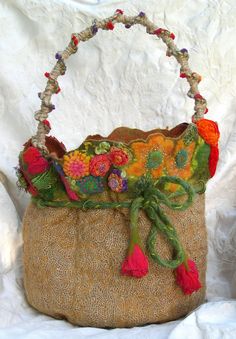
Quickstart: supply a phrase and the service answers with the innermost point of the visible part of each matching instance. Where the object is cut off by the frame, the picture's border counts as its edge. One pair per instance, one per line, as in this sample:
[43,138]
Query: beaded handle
[167,37]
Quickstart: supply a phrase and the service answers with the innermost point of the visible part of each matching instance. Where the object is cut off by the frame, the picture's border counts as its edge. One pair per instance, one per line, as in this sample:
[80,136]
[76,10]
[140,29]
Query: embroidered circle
[90,185]
[154,159]
[181,158]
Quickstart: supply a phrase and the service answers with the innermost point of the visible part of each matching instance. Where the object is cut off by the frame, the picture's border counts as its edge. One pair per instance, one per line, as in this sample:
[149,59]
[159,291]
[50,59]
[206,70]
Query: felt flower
[150,156]
[135,264]
[118,157]
[213,159]
[116,182]
[76,164]
[102,147]
[187,277]
[209,131]
[99,165]
[90,185]
[36,163]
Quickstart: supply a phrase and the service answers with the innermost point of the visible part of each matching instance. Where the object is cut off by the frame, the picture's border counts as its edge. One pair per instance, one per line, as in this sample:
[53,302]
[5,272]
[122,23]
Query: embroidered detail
[116,182]
[99,165]
[181,158]
[90,185]
[76,164]
[154,159]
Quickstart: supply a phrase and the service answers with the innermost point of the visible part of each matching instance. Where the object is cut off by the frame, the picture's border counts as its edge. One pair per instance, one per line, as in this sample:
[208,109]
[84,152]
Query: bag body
[115,233]
[72,264]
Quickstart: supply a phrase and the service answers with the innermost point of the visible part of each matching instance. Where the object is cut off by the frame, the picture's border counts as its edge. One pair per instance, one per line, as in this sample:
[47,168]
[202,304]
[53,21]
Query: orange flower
[209,131]
[150,155]
[76,164]
[180,163]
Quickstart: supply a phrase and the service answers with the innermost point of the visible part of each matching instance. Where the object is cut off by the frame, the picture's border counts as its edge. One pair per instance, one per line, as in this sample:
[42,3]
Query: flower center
[77,167]
[154,159]
[181,158]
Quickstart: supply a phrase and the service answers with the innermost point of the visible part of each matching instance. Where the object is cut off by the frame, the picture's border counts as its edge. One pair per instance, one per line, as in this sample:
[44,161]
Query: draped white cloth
[118,78]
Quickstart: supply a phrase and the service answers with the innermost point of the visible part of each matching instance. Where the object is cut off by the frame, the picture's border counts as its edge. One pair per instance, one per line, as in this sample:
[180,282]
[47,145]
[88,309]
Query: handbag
[114,235]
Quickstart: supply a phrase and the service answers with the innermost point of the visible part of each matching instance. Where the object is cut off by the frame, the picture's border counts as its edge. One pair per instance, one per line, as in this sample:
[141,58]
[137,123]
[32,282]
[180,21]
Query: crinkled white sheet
[118,78]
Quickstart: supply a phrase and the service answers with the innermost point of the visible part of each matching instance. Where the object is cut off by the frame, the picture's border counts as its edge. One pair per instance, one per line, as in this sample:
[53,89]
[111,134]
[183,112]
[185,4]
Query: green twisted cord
[149,198]
[160,223]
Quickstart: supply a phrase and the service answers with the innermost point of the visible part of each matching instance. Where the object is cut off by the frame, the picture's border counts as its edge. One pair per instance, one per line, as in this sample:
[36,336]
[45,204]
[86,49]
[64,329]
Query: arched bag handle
[167,37]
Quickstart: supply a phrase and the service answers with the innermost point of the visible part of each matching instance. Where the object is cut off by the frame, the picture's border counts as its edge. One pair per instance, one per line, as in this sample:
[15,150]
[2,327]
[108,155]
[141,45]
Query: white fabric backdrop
[118,78]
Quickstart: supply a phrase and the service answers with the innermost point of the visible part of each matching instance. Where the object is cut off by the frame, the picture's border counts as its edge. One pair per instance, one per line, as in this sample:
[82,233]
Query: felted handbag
[114,235]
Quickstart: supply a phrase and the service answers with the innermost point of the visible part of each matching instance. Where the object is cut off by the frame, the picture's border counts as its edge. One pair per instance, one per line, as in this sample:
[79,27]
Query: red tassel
[135,264]
[213,160]
[187,277]
[110,25]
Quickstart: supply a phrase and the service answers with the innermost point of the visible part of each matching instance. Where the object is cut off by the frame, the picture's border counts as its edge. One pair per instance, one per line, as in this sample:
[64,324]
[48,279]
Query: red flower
[187,277]
[118,157]
[135,264]
[99,165]
[213,159]
[35,161]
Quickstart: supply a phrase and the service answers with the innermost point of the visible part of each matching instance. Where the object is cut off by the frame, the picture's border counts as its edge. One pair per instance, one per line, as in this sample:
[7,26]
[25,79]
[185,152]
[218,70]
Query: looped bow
[150,198]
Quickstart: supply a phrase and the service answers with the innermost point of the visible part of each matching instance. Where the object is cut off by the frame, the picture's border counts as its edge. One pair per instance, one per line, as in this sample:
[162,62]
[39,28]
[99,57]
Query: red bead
[158,31]
[198,96]
[110,25]
[58,90]
[47,75]
[75,40]
[206,111]
[172,36]
[119,11]
[183,75]
[46,123]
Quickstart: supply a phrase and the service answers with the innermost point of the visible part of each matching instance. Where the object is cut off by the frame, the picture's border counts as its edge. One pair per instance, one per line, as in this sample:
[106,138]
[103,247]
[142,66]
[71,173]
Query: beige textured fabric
[72,261]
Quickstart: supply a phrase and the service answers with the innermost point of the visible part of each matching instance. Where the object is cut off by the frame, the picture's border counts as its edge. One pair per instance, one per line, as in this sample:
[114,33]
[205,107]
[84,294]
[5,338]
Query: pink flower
[187,277]
[135,264]
[35,161]
[118,157]
[99,165]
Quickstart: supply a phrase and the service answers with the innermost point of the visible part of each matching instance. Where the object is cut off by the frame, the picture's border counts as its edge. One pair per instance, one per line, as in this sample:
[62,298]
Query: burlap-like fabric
[72,261]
